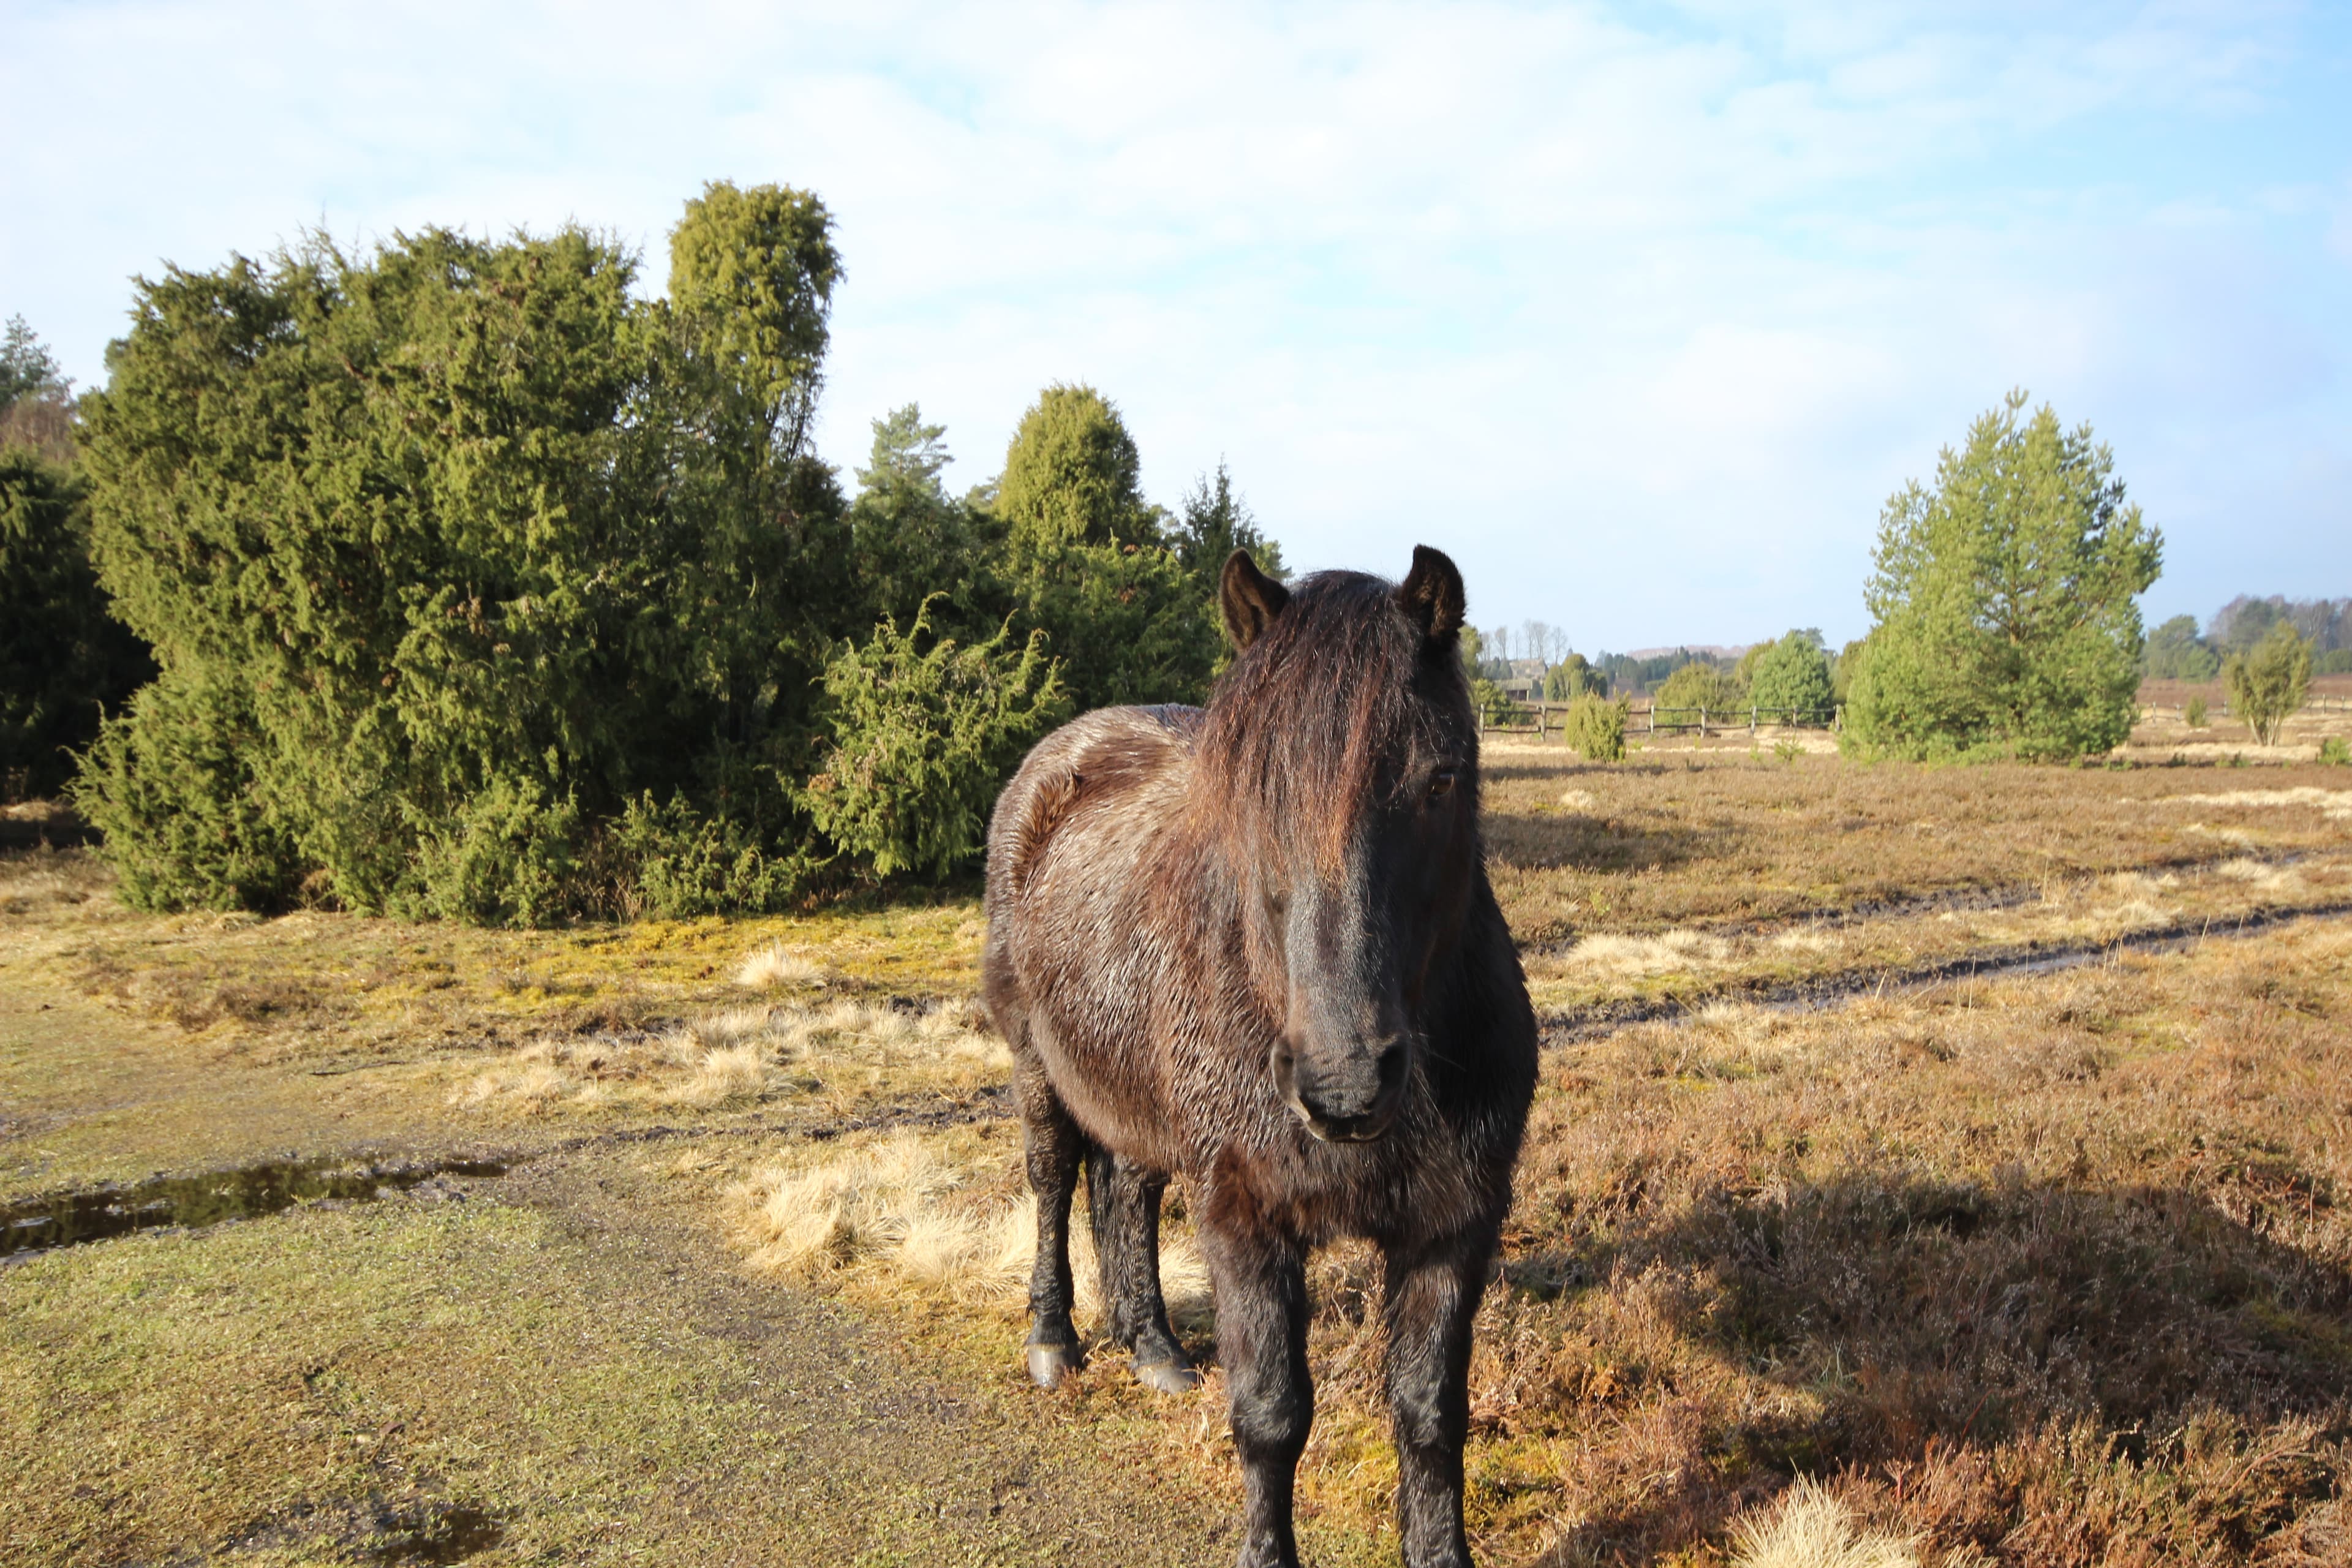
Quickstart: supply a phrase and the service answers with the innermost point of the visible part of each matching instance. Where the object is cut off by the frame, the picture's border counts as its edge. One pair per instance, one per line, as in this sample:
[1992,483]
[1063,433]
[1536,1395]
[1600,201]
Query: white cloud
[1640,317]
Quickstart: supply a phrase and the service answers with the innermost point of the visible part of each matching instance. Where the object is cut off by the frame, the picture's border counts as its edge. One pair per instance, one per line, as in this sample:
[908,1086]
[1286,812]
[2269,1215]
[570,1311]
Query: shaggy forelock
[1297,726]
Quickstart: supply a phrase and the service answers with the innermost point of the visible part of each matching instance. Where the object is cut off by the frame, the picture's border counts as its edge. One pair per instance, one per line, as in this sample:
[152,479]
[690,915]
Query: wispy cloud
[1640,309]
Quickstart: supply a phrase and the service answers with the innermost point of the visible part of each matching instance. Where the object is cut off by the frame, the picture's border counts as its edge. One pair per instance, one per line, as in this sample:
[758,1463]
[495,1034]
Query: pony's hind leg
[1052,1143]
[1123,1202]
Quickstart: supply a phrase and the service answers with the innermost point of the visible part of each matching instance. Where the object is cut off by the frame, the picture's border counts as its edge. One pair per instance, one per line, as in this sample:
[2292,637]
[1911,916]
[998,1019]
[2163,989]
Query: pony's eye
[1441,783]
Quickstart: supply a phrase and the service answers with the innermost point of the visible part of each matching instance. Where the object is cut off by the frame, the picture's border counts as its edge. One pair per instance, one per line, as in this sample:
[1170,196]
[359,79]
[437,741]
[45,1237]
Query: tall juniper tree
[453,553]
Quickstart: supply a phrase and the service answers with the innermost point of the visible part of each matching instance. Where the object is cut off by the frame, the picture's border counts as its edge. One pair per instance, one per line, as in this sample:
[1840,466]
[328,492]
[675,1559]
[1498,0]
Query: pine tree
[2004,600]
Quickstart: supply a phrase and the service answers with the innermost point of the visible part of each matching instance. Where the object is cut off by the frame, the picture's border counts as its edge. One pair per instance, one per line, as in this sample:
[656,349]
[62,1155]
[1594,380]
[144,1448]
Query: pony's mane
[1297,725]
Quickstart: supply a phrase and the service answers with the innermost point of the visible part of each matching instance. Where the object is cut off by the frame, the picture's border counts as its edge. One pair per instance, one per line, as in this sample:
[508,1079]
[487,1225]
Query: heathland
[1946,1162]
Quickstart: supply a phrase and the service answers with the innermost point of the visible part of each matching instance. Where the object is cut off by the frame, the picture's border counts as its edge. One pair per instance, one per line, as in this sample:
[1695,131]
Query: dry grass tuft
[1809,1527]
[2259,876]
[774,965]
[832,1054]
[904,1211]
[1629,957]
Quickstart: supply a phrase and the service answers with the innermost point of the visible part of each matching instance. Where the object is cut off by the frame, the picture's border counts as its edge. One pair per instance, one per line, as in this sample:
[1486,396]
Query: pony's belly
[1098,1055]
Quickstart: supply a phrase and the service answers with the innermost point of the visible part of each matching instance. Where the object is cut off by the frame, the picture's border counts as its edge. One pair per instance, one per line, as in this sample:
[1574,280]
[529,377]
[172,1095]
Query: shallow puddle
[71,1218]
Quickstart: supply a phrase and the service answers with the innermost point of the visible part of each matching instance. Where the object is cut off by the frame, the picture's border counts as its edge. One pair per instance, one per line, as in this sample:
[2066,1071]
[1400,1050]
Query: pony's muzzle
[1344,1097]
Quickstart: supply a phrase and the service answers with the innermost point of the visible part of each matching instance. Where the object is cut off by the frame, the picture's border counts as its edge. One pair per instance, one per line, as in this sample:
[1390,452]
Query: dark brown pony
[1253,945]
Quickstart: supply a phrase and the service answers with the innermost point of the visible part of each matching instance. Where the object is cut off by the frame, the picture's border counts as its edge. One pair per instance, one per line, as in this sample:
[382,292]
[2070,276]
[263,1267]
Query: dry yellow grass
[1720,839]
[924,1212]
[1809,1527]
[828,1053]
[2054,1270]
[1615,956]
[1689,967]
[2334,804]
[322,989]
[774,965]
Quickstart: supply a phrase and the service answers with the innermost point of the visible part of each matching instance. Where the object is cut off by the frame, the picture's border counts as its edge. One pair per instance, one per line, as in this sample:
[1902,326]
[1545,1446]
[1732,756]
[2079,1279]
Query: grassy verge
[553,1368]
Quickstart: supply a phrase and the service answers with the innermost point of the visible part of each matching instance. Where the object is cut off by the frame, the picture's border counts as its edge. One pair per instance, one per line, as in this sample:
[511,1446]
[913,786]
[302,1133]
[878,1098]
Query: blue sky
[1640,311]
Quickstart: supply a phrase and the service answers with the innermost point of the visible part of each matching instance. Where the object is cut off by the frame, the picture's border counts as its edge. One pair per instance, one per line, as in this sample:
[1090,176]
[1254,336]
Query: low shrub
[921,740]
[2269,682]
[1791,677]
[1595,727]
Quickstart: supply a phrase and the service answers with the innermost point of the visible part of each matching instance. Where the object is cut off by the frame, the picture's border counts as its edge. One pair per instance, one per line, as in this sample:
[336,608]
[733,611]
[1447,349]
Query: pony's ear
[1431,595]
[1250,598]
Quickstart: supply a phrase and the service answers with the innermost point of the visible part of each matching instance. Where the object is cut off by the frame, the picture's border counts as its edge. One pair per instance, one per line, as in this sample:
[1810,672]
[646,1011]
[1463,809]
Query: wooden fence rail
[1539,719]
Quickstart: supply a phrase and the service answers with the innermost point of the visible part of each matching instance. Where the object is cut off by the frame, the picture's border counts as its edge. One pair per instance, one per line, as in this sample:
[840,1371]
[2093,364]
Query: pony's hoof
[1168,1376]
[1048,1364]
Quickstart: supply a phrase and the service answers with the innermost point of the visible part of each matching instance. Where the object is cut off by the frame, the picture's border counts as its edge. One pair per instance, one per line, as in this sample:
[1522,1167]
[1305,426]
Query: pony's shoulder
[1110,755]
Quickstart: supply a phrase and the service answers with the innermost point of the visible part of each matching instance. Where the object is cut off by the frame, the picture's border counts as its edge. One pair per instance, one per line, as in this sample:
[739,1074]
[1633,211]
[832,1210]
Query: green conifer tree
[2005,600]
[1088,559]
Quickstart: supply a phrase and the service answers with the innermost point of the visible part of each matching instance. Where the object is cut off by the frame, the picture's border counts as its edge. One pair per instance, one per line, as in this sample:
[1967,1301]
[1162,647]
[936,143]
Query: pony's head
[1340,763]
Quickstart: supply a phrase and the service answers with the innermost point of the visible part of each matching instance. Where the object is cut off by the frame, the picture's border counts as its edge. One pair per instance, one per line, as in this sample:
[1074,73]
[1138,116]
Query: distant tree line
[477,585]
[2176,650]
[1795,673]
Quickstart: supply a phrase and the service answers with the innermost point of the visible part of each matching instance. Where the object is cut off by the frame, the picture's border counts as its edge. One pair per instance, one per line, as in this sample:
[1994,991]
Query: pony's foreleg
[1431,1295]
[1052,1143]
[1261,1288]
[1123,1202]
